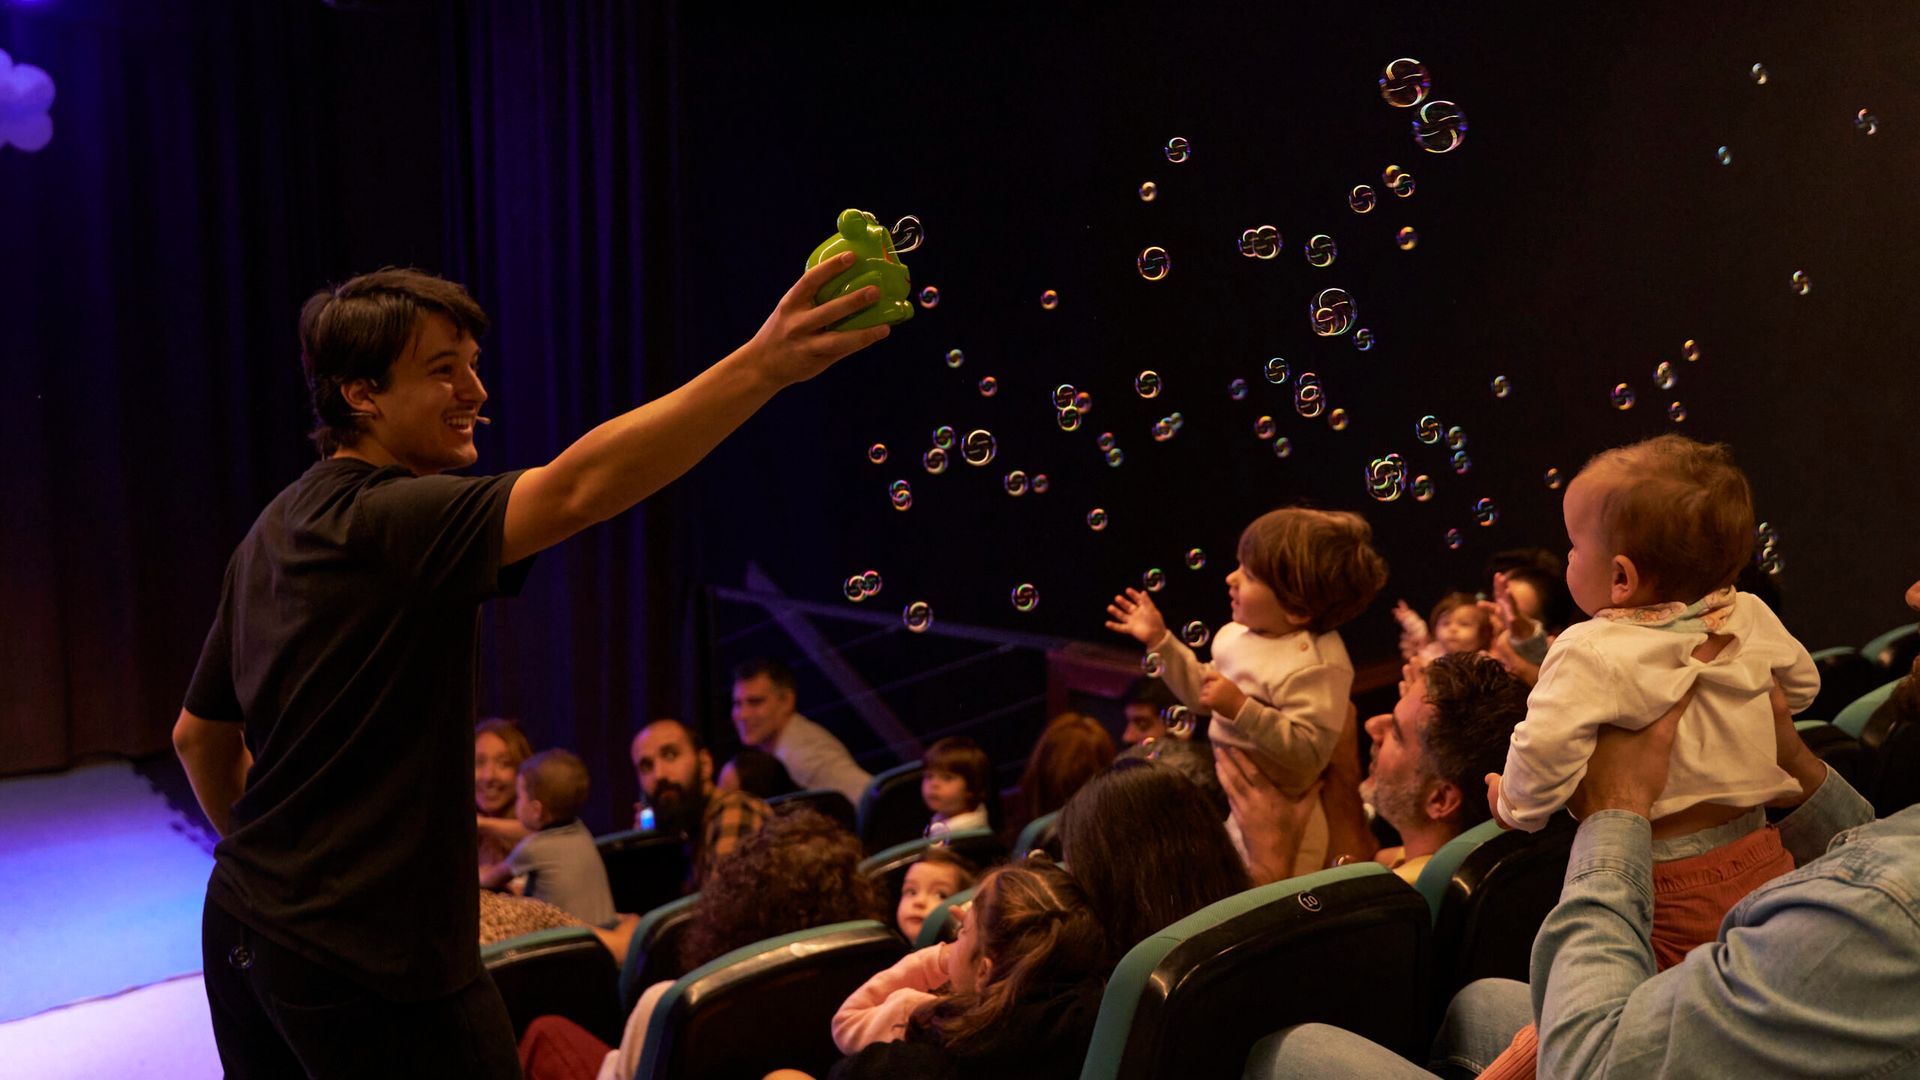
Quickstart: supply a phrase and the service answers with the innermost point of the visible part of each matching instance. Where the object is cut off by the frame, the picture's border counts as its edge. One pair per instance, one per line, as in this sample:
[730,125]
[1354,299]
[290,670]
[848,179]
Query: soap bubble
[935,461]
[1332,312]
[1485,512]
[1152,665]
[1759,74]
[1147,384]
[1016,483]
[1363,339]
[1083,401]
[1622,397]
[1454,540]
[1767,549]
[1554,480]
[1320,250]
[1677,412]
[1405,83]
[1237,390]
[1115,457]
[1106,441]
[979,447]
[1361,199]
[1282,447]
[1337,419]
[1308,398]
[1179,721]
[1502,386]
[929,297]
[1153,263]
[1406,238]
[1277,371]
[989,386]
[1386,478]
[1154,579]
[1663,375]
[1427,430]
[870,581]
[1178,150]
[877,453]
[1261,242]
[1025,597]
[1163,429]
[1461,463]
[1063,395]
[1802,284]
[855,590]
[1196,559]
[1456,438]
[1422,488]
[955,358]
[1096,519]
[1049,300]
[1039,484]
[918,616]
[1441,127]
[1690,350]
[1195,633]
[1069,418]
[1263,428]
[1723,155]
[1398,180]
[1148,191]
[943,437]
[899,487]
[1865,122]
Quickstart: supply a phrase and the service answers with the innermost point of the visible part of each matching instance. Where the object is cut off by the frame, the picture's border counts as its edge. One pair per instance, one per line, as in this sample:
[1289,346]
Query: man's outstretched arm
[216,759]
[633,455]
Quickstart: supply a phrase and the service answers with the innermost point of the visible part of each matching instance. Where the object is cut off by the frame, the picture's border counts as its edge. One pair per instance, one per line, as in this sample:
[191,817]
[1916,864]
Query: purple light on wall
[26,93]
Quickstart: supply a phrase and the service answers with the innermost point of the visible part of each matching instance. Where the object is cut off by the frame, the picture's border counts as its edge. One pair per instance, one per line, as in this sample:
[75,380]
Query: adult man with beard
[676,780]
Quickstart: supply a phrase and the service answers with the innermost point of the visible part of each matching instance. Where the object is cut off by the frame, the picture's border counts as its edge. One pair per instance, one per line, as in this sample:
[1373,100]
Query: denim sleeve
[1833,808]
[1596,945]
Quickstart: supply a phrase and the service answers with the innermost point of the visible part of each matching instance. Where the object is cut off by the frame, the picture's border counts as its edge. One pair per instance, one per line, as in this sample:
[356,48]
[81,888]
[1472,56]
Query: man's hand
[1220,696]
[1628,769]
[1271,822]
[1135,615]
[795,343]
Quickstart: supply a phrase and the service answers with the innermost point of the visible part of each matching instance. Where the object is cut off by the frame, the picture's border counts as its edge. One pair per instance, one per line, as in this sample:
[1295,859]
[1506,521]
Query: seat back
[832,804]
[1492,901]
[1853,718]
[769,1005]
[941,925]
[1845,674]
[653,952]
[1346,946]
[1043,833]
[1836,748]
[1891,743]
[645,867]
[566,972]
[888,868]
[1894,650]
[891,810]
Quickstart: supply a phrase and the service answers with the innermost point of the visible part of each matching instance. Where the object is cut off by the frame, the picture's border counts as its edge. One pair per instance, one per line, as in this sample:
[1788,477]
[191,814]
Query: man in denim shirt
[1816,973]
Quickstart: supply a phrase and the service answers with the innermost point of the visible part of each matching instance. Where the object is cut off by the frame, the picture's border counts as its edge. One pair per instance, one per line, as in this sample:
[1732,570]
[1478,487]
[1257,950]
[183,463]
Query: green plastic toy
[875,263]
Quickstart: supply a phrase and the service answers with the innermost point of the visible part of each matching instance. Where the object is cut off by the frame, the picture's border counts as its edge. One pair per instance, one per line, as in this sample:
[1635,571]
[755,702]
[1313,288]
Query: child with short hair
[1278,684]
[1018,993]
[1660,530]
[1458,625]
[954,781]
[558,856]
[935,876]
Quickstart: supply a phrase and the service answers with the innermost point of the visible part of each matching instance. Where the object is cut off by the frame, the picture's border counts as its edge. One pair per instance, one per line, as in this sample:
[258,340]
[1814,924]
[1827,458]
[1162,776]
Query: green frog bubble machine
[877,252]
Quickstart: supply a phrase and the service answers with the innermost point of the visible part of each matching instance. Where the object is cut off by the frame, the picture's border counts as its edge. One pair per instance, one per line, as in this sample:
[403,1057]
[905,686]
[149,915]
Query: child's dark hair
[1454,601]
[1320,564]
[939,856]
[557,779]
[1033,923]
[761,775]
[962,757]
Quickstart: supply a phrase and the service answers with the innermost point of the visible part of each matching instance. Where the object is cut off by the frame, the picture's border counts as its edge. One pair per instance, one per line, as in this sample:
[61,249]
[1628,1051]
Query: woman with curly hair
[799,871]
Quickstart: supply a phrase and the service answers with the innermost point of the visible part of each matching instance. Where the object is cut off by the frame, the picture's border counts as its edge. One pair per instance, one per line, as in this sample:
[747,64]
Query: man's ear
[358,394]
[1625,581]
[1443,800]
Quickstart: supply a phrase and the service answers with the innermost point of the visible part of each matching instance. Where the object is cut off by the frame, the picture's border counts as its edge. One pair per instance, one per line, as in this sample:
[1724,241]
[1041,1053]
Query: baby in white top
[1659,531]
[1280,678]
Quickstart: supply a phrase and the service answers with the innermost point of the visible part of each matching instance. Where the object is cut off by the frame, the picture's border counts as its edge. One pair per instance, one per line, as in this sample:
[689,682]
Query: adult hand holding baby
[1135,614]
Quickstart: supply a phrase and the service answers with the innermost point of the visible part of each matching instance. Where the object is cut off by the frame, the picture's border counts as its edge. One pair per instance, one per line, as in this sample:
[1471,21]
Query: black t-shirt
[346,642]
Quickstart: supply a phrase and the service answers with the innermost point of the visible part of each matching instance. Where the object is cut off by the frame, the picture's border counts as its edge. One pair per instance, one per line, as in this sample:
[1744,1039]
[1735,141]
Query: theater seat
[891,809]
[645,867]
[1837,748]
[1042,832]
[1894,650]
[888,869]
[1892,745]
[767,1006]
[1845,674]
[833,805]
[1489,890]
[1347,946]
[941,925]
[1853,718]
[566,972]
[653,953]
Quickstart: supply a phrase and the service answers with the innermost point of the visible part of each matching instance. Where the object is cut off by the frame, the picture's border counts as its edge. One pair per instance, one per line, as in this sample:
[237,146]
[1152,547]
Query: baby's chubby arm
[1547,757]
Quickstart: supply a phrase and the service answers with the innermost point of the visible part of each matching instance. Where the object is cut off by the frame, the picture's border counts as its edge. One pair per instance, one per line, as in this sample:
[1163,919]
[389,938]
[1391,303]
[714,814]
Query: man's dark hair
[356,330]
[1146,691]
[1476,703]
[780,674]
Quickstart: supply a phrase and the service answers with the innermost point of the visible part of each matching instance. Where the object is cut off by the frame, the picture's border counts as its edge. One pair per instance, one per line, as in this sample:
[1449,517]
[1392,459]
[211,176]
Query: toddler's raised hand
[1135,615]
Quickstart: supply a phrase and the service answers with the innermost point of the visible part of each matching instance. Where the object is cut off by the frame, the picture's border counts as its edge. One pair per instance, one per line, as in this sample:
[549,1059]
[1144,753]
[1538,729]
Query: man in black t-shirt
[328,727]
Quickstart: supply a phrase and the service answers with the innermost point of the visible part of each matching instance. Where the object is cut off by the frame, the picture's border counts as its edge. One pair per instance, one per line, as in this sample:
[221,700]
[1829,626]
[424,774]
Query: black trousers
[277,1014]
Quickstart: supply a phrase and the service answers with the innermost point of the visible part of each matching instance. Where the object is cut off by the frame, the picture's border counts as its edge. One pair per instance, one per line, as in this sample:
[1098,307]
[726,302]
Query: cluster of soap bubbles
[1168,426]
[1766,553]
[1440,126]
[1308,398]
[902,495]
[1386,478]
[1321,250]
[1398,181]
[860,586]
[1153,263]
[918,616]
[1332,312]
[1261,242]
[1070,406]
[1025,597]
[1110,447]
